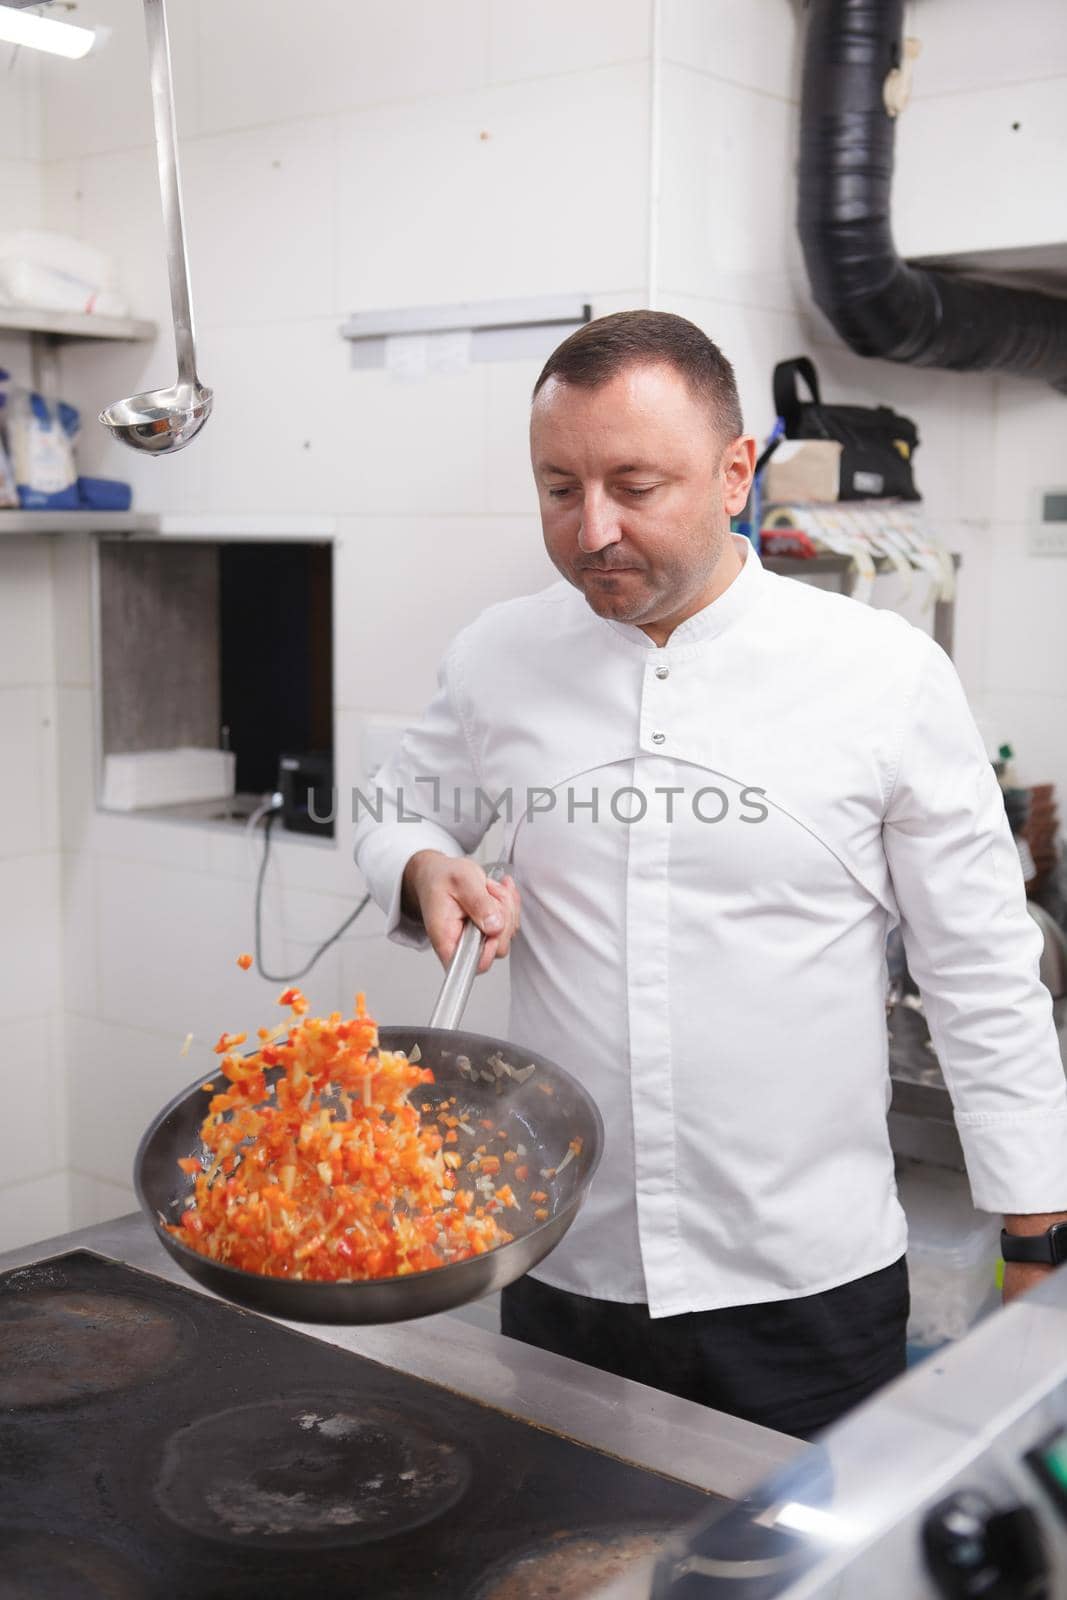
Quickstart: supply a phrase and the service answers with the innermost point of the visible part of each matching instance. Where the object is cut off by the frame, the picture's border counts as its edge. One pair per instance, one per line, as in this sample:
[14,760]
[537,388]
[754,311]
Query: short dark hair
[600,350]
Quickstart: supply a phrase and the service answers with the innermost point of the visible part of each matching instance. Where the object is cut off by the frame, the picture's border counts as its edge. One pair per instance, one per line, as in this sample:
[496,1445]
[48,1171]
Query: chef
[720,790]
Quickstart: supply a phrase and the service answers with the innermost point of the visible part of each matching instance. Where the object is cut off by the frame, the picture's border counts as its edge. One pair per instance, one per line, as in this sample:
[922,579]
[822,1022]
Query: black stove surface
[158,1445]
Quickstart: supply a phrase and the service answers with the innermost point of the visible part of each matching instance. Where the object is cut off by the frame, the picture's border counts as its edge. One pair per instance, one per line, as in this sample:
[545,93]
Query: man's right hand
[444,892]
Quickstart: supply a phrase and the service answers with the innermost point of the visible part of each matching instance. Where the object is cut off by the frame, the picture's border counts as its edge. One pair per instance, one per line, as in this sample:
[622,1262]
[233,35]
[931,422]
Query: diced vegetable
[328,1172]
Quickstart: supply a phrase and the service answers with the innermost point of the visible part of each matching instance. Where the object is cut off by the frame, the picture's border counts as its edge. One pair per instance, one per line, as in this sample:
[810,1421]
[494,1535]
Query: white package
[167,777]
[53,272]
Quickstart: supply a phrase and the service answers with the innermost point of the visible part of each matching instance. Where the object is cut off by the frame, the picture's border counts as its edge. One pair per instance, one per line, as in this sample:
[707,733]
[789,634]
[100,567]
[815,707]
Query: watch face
[1058,1239]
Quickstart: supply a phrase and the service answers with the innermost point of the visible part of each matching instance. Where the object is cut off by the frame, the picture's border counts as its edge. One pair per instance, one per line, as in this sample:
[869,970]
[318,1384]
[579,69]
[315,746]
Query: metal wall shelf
[38,522]
[843,568]
[171,525]
[63,325]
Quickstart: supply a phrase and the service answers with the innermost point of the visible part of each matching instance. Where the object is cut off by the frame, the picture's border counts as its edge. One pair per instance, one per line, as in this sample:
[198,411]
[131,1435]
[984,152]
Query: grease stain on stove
[573,1565]
[63,1345]
[294,1474]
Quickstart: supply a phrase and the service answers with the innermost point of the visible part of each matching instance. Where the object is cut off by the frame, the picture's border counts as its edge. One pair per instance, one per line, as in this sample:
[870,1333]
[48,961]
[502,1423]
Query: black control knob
[975,1552]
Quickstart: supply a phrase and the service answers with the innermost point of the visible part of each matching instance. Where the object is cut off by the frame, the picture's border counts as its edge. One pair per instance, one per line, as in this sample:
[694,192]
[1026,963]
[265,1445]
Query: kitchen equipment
[160,1443]
[164,420]
[305,783]
[1053,962]
[543,1113]
[951,1482]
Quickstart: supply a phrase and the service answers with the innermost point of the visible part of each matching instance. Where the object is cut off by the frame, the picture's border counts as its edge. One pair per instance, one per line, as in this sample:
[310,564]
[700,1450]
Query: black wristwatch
[1046,1249]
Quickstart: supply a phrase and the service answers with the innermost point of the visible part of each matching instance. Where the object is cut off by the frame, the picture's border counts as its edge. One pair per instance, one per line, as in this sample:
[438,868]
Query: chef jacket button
[658,738]
[663,672]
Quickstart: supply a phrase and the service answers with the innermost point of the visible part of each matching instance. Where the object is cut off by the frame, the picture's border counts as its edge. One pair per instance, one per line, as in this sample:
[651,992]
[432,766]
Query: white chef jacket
[711,962]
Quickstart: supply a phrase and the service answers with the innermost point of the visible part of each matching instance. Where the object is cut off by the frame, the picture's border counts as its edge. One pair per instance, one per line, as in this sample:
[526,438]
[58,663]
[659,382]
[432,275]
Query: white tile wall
[558,36]
[237,188]
[728,192]
[20,107]
[33,1189]
[71,610]
[1025,649]
[103,102]
[28,815]
[466,563]
[29,937]
[81,934]
[715,37]
[262,62]
[21,188]
[95,1200]
[25,612]
[343,438]
[37,1209]
[34,1100]
[169,938]
[539,187]
[118,1077]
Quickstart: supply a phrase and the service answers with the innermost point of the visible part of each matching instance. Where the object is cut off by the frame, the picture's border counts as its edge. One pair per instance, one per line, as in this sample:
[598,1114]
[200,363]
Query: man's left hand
[1021,1276]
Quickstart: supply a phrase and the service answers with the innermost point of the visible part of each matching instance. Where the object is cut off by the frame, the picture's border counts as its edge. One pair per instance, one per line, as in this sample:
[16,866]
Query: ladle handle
[463,968]
[155,18]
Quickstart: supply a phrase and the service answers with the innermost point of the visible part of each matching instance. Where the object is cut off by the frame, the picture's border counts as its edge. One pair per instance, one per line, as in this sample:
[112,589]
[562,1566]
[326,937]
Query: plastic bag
[9,495]
[53,272]
[41,438]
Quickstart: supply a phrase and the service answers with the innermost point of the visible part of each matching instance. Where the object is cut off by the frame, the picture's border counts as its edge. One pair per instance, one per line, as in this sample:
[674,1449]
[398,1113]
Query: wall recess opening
[216,679]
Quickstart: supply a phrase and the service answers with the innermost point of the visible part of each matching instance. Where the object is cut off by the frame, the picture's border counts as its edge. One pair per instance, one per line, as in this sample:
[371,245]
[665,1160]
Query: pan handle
[462,969]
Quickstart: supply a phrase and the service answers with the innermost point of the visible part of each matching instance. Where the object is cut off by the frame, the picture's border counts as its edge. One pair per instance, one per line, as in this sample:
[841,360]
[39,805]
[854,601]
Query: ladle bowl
[161,419]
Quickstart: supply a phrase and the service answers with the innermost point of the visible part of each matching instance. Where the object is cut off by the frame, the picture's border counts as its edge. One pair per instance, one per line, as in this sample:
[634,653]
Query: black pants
[793,1365]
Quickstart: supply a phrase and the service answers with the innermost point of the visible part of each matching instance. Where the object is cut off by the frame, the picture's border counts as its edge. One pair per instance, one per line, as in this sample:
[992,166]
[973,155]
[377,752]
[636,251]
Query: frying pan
[543,1113]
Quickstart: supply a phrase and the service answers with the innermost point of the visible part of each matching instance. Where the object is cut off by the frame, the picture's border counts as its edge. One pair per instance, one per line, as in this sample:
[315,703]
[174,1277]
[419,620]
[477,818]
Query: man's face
[637,487]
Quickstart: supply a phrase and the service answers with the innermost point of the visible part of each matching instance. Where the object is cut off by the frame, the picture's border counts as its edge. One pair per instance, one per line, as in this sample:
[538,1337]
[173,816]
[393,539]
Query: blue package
[41,438]
[104,494]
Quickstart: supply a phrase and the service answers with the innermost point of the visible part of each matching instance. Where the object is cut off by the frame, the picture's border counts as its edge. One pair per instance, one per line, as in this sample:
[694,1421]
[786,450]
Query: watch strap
[1046,1249]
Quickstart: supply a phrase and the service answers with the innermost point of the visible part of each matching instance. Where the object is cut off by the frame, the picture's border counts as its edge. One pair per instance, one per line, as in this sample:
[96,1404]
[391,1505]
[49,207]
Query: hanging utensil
[163,420]
[543,1110]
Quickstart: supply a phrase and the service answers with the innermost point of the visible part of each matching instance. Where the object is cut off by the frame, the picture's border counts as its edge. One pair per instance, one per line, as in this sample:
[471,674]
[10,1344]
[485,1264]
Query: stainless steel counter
[628,1420]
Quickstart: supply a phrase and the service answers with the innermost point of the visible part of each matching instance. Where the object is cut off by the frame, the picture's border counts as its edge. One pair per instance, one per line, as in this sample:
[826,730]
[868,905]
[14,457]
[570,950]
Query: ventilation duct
[879,304]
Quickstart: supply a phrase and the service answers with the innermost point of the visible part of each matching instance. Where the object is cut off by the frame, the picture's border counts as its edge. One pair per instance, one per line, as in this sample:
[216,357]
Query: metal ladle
[163,420]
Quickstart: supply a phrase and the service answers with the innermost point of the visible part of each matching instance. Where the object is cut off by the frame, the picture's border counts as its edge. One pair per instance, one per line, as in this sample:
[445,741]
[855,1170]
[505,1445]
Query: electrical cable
[270,810]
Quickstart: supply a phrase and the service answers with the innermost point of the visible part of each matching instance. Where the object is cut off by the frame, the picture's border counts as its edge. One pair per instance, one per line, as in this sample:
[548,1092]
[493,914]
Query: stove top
[156,1444]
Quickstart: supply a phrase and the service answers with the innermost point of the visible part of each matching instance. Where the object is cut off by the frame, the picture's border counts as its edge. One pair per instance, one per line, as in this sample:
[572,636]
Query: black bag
[877,443]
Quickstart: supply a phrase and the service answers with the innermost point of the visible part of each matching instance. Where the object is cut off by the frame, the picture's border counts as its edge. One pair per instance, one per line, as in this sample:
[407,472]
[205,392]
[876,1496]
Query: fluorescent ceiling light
[41,33]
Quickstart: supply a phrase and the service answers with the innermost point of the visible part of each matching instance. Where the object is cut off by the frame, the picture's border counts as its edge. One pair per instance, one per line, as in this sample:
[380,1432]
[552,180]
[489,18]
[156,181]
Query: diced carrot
[303,1174]
[244,962]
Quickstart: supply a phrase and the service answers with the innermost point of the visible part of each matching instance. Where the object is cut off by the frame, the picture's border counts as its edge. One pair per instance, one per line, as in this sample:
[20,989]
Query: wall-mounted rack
[480,330]
[170,525]
[48,330]
[843,569]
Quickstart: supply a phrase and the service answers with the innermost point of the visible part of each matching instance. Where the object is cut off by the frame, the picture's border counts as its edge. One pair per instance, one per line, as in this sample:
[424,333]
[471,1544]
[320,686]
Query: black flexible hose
[291,977]
[881,305]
